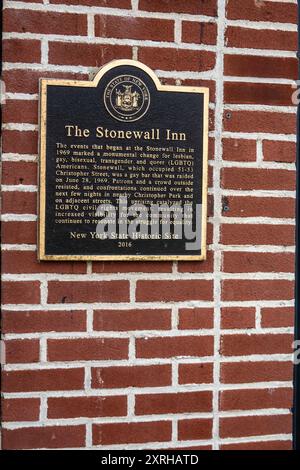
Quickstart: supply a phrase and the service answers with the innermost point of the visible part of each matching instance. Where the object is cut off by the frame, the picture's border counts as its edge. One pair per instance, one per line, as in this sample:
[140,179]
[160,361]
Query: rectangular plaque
[123,167]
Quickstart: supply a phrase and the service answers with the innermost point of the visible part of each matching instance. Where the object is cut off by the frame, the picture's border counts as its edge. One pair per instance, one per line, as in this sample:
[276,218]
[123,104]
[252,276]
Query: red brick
[174,346]
[262,11]
[265,445]
[20,111]
[212,98]
[177,59]
[19,173]
[256,372]
[96,3]
[131,433]
[257,290]
[198,266]
[256,399]
[239,150]
[90,55]
[47,437]
[128,320]
[192,7]
[257,93]
[194,429]
[257,178]
[132,267]
[172,291]
[19,232]
[20,409]
[23,142]
[87,349]
[260,121]
[279,151]
[26,262]
[19,202]
[277,317]
[246,206]
[255,426]
[259,66]
[195,318]
[20,292]
[199,33]
[44,22]
[195,373]
[237,317]
[199,447]
[27,81]
[90,407]
[91,291]
[131,376]
[130,27]
[43,380]
[165,403]
[251,38]
[37,321]
[21,50]
[244,345]
[263,234]
[242,262]
[22,351]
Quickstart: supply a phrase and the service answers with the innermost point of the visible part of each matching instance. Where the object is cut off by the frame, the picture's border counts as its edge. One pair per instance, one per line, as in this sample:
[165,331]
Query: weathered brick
[20,409]
[151,291]
[91,407]
[255,425]
[36,321]
[42,380]
[131,376]
[192,7]
[256,372]
[20,292]
[251,38]
[199,33]
[44,22]
[89,55]
[165,403]
[47,437]
[175,346]
[22,350]
[87,349]
[243,262]
[91,291]
[21,50]
[195,318]
[262,11]
[247,206]
[244,345]
[256,399]
[195,373]
[237,317]
[152,29]
[126,320]
[131,433]
[235,289]
[164,58]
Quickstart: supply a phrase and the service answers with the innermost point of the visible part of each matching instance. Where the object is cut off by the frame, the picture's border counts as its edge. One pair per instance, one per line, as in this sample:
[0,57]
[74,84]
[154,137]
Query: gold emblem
[127,98]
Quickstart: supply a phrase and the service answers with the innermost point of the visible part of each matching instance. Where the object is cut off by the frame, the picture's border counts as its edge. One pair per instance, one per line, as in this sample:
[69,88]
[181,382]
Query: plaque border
[43,84]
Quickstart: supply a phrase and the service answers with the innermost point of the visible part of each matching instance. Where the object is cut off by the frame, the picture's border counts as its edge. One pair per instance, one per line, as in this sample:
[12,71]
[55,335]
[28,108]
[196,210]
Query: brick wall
[157,355]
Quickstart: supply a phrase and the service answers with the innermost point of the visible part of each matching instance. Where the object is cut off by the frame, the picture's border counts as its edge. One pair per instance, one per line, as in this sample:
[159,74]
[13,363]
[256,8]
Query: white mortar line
[218,211]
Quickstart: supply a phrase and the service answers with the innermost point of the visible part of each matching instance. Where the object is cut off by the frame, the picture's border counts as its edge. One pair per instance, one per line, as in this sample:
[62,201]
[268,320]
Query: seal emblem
[127,98]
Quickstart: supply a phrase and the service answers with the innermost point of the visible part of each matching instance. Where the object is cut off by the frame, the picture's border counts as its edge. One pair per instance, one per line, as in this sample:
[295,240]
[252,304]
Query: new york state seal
[127,98]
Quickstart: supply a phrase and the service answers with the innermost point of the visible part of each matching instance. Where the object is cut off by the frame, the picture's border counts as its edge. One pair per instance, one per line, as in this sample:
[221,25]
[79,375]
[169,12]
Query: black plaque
[118,155]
